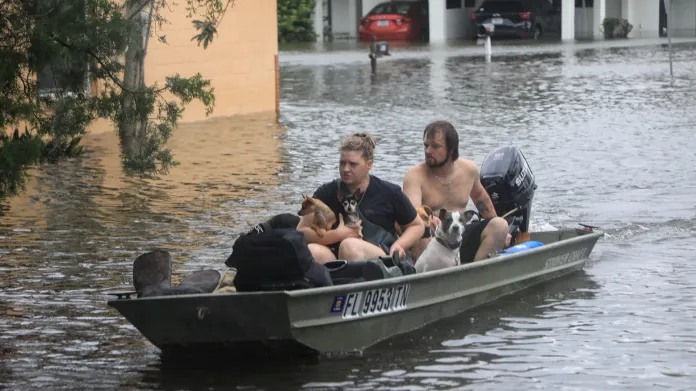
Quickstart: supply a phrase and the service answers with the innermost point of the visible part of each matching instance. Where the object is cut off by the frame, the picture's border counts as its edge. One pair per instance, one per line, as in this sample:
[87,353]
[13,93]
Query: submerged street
[607,132]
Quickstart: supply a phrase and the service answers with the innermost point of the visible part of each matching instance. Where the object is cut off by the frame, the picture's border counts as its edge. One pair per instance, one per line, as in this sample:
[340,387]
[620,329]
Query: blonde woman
[381,204]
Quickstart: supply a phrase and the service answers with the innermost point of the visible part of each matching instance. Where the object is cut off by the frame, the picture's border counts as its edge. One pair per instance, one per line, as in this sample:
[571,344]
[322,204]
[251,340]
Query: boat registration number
[375,301]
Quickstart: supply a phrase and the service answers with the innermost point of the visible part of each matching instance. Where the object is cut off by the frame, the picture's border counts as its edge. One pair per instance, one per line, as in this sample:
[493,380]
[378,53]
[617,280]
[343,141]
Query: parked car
[518,18]
[403,20]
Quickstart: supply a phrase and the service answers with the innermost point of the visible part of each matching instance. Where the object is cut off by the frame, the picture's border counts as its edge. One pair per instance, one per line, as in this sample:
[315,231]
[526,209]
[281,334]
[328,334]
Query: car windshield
[391,8]
[501,6]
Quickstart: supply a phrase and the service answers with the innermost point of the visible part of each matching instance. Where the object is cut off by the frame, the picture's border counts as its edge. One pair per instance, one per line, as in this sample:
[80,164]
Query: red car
[402,20]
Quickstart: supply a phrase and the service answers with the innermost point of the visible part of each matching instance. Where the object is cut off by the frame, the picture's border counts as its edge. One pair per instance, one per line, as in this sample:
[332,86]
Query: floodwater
[607,132]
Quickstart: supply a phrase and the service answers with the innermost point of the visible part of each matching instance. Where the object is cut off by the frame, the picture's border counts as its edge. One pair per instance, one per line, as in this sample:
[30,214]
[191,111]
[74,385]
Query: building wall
[644,16]
[684,14]
[340,18]
[584,22]
[613,8]
[453,23]
[458,21]
[344,18]
[240,62]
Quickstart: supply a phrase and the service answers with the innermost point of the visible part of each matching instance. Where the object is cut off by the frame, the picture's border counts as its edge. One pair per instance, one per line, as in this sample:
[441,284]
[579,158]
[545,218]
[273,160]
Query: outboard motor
[509,181]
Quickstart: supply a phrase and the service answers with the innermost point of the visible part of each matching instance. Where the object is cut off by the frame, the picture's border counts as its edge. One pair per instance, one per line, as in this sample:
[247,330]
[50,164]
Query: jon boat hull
[353,317]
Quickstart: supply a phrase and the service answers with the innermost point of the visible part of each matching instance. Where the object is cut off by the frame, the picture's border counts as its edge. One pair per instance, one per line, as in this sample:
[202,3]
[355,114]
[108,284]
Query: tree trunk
[147,23]
[131,127]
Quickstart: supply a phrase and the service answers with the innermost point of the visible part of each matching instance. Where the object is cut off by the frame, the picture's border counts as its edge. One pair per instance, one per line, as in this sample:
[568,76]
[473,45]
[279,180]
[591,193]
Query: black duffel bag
[276,259]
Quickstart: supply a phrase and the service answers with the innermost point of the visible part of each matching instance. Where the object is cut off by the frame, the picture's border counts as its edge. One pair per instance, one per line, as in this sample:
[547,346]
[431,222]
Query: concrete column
[353,17]
[318,19]
[625,9]
[644,16]
[436,15]
[599,13]
[567,20]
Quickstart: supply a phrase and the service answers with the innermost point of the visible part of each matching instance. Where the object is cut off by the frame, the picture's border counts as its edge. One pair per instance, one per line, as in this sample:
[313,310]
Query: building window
[469,3]
[69,73]
[453,4]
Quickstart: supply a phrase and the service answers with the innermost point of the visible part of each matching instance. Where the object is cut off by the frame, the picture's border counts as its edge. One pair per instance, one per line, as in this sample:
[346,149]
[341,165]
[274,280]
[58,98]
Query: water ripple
[608,135]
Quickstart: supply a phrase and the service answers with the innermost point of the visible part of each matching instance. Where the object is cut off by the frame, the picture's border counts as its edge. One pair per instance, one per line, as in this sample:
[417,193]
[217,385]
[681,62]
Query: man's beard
[437,164]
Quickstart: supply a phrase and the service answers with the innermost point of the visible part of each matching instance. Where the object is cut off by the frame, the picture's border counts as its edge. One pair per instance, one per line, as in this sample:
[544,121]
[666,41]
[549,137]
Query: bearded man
[444,180]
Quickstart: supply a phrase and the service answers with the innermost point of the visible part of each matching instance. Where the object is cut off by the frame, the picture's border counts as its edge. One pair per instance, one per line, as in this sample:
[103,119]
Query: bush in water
[616,28]
[295,21]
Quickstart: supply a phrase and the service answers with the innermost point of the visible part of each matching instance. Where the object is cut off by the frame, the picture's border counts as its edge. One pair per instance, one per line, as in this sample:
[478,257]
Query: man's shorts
[471,240]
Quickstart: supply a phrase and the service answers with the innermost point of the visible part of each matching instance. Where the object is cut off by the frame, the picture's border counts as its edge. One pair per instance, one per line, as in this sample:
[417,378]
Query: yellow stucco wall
[242,65]
[240,62]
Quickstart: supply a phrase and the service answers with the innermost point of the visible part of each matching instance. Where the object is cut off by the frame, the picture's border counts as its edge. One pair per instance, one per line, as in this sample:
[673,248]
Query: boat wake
[652,231]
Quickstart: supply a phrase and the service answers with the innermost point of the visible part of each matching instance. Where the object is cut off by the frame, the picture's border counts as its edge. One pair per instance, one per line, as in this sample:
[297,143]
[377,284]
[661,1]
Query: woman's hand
[344,231]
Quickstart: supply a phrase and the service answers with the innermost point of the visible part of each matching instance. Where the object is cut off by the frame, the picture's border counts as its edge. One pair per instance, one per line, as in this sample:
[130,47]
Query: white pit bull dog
[443,249]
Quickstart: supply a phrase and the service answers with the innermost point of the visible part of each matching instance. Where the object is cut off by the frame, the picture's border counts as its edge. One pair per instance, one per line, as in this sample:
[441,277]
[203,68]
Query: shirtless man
[445,180]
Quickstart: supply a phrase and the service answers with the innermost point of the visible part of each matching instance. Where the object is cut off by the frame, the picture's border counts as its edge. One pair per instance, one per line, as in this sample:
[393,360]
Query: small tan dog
[324,217]
[426,214]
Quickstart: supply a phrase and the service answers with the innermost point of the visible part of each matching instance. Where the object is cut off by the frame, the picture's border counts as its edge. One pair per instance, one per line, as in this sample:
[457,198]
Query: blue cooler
[522,247]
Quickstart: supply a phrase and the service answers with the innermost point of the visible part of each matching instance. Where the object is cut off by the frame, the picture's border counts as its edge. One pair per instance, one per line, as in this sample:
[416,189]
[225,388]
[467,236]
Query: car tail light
[473,17]
[404,20]
[525,15]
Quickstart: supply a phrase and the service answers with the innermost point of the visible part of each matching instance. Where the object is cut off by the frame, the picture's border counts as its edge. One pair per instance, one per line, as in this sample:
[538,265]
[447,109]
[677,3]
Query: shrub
[616,28]
[295,21]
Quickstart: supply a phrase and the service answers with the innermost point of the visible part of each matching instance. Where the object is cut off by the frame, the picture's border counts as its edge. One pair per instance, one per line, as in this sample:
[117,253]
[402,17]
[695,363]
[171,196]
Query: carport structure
[583,18]
[341,17]
[451,19]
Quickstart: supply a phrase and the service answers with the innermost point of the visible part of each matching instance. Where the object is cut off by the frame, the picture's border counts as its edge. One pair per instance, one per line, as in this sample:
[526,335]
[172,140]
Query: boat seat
[152,276]
[346,272]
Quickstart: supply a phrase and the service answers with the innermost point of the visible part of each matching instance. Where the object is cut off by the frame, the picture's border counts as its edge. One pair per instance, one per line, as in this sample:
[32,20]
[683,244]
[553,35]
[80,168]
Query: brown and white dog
[324,217]
[426,214]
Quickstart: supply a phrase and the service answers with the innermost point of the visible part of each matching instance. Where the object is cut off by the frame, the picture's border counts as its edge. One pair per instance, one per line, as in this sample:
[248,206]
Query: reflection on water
[79,225]
[606,131]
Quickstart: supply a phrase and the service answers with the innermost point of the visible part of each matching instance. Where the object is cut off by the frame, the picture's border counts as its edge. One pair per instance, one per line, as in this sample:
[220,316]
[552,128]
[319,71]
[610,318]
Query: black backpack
[276,259]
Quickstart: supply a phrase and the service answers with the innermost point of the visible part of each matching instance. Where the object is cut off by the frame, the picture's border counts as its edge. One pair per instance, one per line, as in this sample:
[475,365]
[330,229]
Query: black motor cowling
[509,181]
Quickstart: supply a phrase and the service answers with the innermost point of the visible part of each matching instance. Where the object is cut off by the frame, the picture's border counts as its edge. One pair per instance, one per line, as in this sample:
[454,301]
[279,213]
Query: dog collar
[453,246]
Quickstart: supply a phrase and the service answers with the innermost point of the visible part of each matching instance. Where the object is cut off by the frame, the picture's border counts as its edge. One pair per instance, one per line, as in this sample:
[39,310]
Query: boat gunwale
[596,234]
[459,268]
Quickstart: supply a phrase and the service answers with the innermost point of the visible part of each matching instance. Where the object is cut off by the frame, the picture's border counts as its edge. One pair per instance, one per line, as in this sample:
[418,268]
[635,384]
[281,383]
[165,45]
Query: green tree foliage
[78,42]
[295,21]
[16,153]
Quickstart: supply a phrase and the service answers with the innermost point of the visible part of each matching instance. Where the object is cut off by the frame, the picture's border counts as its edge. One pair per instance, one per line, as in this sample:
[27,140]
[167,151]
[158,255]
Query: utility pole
[669,35]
